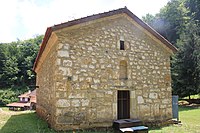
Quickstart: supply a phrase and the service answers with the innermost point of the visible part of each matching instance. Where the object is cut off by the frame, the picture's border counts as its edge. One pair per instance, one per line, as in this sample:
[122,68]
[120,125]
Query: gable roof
[28,94]
[98,16]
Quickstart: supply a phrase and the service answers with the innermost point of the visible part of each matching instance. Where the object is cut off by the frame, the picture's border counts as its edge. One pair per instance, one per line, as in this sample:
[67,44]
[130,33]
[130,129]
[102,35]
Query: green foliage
[170,20]
[179,22]
[186,70]
[193,97]
[9,95]
[16,62]
[22,122]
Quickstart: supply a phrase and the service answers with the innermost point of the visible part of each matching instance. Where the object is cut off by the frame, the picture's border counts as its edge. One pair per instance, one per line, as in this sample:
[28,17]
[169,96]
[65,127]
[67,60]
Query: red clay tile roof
[33,100]
[33,93]
[28,94]
[98,16]
[17,104]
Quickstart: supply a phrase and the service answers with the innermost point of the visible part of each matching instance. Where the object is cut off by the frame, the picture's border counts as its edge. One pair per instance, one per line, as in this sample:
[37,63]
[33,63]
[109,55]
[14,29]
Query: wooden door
[123,104]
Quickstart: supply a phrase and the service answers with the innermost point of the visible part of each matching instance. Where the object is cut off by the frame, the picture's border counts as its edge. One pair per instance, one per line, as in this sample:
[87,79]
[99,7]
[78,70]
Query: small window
[122,45]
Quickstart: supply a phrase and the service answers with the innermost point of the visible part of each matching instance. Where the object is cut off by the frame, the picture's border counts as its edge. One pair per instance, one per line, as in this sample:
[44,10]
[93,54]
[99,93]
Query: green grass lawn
[190,122]
[193,96]
[22,122]
[28,122]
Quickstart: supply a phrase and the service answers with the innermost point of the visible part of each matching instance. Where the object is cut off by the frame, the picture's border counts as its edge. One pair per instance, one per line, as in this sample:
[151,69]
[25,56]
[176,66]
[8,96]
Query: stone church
[100,68]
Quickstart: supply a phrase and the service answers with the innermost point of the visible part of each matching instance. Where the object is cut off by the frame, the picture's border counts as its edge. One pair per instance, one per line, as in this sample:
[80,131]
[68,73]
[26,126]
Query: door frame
[123,104]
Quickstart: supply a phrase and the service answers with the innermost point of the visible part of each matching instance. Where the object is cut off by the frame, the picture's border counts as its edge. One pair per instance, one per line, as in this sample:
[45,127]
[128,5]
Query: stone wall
[46,80]
[87,75]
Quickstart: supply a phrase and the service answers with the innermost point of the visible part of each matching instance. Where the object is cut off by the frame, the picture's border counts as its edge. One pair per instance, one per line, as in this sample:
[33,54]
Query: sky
[24,19]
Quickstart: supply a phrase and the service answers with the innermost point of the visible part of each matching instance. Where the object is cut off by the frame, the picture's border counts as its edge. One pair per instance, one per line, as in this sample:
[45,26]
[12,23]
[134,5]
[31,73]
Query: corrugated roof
[98,16]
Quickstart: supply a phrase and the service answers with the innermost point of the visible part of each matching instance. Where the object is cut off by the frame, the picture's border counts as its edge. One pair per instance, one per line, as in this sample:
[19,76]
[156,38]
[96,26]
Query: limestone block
[85,102]
[169,112]
[92,114]
[96,81]
[77,95]
[85,66]
[140,99]
[66,46]
[69,71]
[79,117]
[156,67]
[153,95]
[169,88]
[65,119]
[62,53]
[114,111]
[63,70]
[156,109]
[89,79]
[144,110]
[151,67]
[63,103]
[101,113]
[67,63]
[73,57]
[109,92]
[94,61]
[90,49]
[58,112]
[94,86]
[75,78]
[83,70]
[81,42]
[60,45]
[149,101]
[75,103]
[145,94]
[58,61]
[100,94]
[166,101]
[81,79]
[132,94]
[139,92]
[163,106]
[91,66]
[102,66]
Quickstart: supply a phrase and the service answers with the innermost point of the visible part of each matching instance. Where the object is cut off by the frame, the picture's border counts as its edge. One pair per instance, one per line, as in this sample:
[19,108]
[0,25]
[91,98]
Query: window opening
[122,45]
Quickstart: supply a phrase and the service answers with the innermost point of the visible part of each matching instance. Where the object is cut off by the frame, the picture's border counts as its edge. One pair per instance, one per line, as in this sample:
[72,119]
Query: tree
[170,21]
[16,61]
[178,21]
[186,74]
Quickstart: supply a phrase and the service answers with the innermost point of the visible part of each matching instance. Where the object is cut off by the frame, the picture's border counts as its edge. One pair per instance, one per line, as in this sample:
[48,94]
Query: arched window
[123,70]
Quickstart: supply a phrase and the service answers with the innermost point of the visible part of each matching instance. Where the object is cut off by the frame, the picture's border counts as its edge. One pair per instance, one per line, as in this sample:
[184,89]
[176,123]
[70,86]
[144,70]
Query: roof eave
[43,45]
